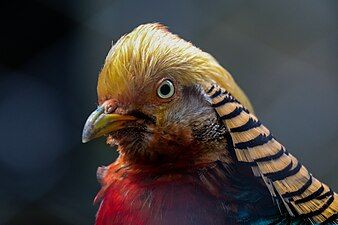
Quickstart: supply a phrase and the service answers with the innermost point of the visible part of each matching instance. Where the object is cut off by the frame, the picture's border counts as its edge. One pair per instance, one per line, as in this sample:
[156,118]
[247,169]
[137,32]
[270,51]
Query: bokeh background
[283,53]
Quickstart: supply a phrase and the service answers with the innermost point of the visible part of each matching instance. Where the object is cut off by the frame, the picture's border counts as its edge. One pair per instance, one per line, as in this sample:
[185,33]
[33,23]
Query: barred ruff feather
[301,194]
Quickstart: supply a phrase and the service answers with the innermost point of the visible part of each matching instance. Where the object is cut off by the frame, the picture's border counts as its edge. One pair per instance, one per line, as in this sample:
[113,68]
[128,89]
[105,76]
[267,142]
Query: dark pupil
[165,89]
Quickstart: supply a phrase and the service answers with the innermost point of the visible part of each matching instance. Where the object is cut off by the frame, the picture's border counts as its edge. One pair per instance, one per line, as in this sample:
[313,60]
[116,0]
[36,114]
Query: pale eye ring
[166,89]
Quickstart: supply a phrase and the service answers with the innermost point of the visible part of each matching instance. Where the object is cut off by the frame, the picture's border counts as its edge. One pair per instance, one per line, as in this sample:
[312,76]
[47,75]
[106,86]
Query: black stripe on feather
[233,114]
[225,100]
[216,94]
[311,196]
[271,157]
[232,99]
[257,141]
[211,89]
[300,190]
[246,110]
[247,126]
[326,194]
[282,174]
[279,175]
[321,209]
[295,170]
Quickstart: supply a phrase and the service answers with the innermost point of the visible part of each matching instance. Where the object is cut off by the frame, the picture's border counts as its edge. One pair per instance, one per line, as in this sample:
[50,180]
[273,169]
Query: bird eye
[166,89]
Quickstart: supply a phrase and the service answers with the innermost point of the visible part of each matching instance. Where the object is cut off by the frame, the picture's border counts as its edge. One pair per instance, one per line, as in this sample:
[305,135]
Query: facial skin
[178,127]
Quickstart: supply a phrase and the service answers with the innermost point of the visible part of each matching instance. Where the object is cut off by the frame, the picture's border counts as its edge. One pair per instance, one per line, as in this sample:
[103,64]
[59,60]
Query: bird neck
[227,188]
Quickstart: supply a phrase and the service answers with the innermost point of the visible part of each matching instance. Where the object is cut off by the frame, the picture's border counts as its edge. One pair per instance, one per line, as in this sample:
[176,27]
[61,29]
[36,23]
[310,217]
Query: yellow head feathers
[151,51]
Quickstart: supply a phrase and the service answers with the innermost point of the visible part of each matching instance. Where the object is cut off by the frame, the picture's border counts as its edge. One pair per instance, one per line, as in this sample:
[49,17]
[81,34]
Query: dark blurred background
[283,53]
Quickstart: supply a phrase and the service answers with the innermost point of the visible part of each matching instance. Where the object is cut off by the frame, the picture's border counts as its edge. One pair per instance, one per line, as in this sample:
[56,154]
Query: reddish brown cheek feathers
[171,135]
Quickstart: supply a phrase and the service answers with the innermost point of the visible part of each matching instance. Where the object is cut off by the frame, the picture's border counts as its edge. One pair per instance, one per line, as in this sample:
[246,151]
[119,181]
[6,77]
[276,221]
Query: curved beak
[100,123]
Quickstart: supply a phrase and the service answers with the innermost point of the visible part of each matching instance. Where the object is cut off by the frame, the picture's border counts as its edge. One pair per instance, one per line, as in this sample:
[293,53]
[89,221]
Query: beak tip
[89,127]
[86,136]
[100,123]
[84,139]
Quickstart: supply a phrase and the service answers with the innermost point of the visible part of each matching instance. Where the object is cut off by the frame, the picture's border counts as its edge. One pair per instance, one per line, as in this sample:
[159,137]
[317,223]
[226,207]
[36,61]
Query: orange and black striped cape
[288,181]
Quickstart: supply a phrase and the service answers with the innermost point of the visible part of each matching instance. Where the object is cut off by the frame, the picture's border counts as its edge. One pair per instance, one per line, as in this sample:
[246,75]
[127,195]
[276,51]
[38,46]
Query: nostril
[110,109]
[109,106]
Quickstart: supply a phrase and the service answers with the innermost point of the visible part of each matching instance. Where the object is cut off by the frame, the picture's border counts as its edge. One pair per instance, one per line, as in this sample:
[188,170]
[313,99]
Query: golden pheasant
[191,150]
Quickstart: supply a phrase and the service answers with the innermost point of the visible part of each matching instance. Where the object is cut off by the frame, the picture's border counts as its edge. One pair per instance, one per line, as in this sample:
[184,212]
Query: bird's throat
[179,197]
